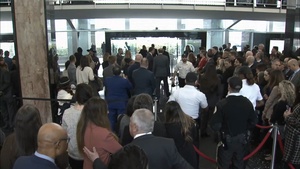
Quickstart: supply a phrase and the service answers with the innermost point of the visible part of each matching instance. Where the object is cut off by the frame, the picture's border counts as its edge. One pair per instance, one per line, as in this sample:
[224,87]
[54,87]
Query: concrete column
[29,20]
[84,38]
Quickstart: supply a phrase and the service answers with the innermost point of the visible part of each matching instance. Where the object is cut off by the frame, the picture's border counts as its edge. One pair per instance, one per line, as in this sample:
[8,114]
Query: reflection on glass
[190,24]
[235,38]
[174,46]
[6,27]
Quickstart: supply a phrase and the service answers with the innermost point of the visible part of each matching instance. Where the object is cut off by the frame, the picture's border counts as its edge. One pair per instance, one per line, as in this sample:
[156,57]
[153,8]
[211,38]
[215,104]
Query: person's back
[33,162]
[143,79]
[161,152]
[161,66]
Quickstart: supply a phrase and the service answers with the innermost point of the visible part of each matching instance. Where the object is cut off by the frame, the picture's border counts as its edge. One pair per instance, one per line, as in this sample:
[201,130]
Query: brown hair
[94,111]
[174,114]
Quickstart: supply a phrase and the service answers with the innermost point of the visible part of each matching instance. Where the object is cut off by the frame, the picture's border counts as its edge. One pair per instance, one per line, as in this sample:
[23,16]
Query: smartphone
[287,107]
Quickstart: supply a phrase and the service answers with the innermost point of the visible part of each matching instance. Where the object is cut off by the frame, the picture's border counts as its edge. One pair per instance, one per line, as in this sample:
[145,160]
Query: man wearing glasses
[52,142]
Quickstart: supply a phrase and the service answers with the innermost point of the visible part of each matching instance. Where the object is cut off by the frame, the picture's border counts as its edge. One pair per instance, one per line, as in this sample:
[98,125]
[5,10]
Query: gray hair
[144,120]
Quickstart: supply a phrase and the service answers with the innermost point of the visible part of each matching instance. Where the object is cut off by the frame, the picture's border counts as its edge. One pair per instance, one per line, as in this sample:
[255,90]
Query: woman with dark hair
[272,92]
[187,50]
[250,90]
[70,120]
[93,130]
[23,141]
[124,120]
[192,59]
[210,85]
[203,60]
[292,133]
[84,73]
[181,128]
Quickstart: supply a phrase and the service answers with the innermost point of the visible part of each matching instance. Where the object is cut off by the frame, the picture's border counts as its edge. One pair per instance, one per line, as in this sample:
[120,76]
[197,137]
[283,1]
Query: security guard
[234,117]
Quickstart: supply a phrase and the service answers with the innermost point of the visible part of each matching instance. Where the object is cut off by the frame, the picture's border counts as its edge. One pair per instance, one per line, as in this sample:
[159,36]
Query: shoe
[204,135]
[268,158]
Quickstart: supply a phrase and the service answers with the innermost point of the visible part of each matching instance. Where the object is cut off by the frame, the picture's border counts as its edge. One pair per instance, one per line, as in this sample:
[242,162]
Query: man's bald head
[144,63]
[293,64]
[52,140]
[138,57]
[248,53]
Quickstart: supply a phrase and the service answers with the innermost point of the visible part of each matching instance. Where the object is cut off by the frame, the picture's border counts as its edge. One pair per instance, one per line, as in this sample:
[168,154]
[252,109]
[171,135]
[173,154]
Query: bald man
[293,65]
[134,66]
[52,142]
[143,79]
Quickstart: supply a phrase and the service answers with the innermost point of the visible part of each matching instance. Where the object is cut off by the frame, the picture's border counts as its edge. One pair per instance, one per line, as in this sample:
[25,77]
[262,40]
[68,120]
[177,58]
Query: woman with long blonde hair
[287,99]
[93,130]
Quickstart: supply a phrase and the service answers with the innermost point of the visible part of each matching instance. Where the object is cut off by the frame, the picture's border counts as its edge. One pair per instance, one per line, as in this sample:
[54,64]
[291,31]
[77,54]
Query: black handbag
[97,83]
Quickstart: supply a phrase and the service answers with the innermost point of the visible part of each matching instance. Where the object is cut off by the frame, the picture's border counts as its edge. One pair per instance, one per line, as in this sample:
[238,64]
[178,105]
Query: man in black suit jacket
[52,142]
[161,152]
[161,70]
[143,79]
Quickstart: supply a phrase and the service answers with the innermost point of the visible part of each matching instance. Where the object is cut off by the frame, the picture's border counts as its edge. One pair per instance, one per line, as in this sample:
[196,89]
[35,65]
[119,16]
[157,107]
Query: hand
[263,117]
[91,155]
[266,97]
[287,113]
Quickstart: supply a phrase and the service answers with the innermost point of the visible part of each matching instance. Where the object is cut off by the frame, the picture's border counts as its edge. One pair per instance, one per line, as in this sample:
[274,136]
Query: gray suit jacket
[161,66]
[72,73]
[107,72]
[296,79]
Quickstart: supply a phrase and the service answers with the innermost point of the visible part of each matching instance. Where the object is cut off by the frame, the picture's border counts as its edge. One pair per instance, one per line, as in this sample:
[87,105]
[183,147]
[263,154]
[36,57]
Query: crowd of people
[219,89]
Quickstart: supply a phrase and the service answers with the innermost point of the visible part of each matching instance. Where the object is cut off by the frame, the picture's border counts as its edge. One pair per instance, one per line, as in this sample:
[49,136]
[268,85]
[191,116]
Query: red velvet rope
[204,156]
[245,158]
[259,146]
[263,127]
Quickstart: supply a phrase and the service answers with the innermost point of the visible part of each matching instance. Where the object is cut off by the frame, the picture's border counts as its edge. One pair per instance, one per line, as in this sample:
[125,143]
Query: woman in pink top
[93,130]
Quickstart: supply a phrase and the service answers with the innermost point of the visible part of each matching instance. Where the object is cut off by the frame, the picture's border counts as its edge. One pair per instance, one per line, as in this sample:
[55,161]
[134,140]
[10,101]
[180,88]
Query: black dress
[185,149]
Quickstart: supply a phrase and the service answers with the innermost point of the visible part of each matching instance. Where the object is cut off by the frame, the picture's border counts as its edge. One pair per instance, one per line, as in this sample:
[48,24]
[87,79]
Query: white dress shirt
[184,68]
[190,100]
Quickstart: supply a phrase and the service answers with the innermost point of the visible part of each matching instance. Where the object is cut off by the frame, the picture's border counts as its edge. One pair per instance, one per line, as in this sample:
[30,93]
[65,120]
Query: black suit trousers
[157,86]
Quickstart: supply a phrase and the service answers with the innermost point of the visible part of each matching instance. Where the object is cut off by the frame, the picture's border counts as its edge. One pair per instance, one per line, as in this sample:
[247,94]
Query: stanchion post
[275,132]
[155,108]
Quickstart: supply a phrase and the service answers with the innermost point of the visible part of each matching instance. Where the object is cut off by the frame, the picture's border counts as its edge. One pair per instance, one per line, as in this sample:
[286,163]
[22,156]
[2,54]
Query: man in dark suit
[150,57]
[143,79]
[134,66]
[161,70]
[52,142]
[161,152]
[295,77]
[117,93]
